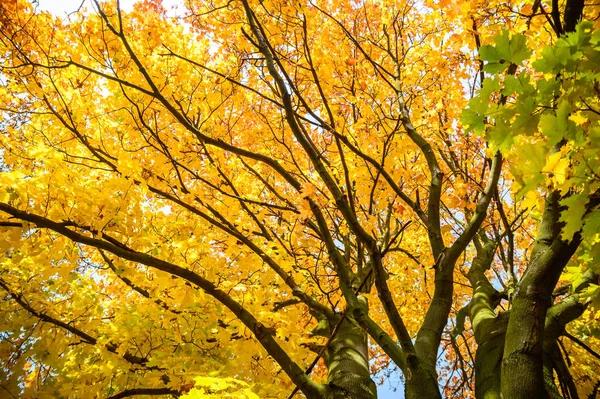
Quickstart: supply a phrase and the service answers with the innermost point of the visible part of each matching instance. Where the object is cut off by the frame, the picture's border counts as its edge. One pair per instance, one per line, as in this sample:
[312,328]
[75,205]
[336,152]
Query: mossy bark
[421,384]
[488,358]
[522,363]
[347,361]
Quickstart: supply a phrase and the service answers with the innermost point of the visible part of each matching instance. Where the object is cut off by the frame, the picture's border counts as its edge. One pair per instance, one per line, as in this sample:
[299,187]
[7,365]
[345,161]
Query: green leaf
[595,38]
[495,63]
[555,128]
[526,122]
[508,50]
[472,120]
[595,254]
[582,34]
[473,116]
[500,135]
[512,85]
[549,126]
[530,159]
[591,227]
[489,53]
[594,137]
[518,50]
[548,90]
[591,292]
[573,214]
[554,58]
[574,275]
[490,85]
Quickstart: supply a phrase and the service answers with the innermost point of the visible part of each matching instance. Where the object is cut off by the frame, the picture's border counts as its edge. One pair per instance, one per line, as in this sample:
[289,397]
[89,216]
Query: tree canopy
[240,198]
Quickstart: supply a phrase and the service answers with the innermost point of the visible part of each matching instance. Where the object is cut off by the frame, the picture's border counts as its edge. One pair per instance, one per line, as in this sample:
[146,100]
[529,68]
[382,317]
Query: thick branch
[145,391]
[430,333]
[480,211]
[573,13]
[133,286]
[481,307]
[522,364]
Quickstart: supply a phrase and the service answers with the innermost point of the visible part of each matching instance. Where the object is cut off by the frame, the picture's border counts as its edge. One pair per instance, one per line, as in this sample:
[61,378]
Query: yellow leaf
[578,118]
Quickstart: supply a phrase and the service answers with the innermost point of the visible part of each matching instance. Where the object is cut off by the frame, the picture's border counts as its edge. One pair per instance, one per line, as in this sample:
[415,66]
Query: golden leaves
[170,140]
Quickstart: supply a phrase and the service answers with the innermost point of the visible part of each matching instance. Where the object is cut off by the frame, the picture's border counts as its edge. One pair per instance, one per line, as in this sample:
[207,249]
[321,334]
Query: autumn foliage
[254,198]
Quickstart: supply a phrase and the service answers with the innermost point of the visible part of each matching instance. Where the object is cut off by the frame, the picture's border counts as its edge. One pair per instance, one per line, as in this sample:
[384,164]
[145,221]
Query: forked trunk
[421,385]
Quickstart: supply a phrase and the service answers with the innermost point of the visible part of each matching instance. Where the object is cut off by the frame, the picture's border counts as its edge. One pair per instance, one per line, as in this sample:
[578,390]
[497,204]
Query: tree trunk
[347,360]
[421,384]
[522,373]
[489,327]
[488,357]
[522,365]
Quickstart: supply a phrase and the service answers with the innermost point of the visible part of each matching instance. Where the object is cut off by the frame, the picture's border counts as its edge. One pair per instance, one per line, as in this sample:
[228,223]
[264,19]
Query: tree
[254,198]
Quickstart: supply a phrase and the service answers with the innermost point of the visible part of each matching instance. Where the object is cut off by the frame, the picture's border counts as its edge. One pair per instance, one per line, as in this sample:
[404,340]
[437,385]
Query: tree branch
[88,339]
[296,374]
[145,391]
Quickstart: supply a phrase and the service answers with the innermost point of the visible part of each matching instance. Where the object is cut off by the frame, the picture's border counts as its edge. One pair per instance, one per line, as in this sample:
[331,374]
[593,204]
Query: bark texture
[347,360]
